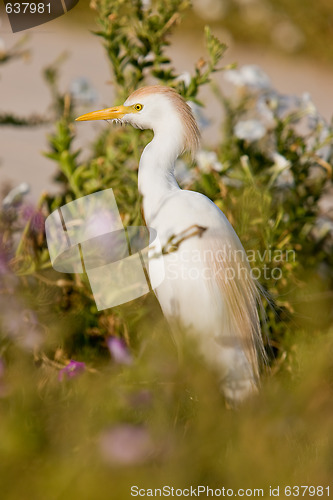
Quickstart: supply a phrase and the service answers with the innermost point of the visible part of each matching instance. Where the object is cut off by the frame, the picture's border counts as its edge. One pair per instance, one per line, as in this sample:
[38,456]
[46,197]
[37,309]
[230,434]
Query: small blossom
[281,174]
[119,350]
[280,162]
[285,179]
[184,77]
[81,90]
[200,117]
[183,173]
[35,217]
[251,76]
[322,228]
[232,182]
[126,445]
[99,222]
[15,195]
[73,369]
[22,325]
[250,130]
[140,399]
[146,4]
[148,58]
[284,105]
[265,111]
[308,105]
[207,161]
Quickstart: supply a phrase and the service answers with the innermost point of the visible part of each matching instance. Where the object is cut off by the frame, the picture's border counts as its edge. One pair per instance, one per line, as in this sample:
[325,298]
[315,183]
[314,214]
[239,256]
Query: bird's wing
[225,288]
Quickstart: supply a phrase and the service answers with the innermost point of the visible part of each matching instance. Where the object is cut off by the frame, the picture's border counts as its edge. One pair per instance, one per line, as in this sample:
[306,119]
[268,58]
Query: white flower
[184,77]
[265,111]
[281,173]
[285,179]
[207,161]
[147,58]
[307,105]
[280,162]
[284,104]
[83,91]
[322,228]
[201,119]
[15,196]
[183,174]
[250,130]
[146,4]
[250,75]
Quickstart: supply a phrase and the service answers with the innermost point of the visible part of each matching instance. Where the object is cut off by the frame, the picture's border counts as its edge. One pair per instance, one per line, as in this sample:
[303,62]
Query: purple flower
[140,399]
[35,217]
[119,350]
[21,325]
[126,444]
[73,369]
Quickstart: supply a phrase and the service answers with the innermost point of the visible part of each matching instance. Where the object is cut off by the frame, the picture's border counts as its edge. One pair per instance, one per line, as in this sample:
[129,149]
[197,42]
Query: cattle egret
[208,290]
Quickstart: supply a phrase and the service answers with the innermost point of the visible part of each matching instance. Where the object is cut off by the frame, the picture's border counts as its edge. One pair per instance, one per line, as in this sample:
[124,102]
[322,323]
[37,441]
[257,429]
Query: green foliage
[136,54]
[137,47]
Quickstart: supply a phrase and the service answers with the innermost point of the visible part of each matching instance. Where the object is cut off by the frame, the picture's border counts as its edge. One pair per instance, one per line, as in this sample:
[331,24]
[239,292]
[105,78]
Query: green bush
[269,174]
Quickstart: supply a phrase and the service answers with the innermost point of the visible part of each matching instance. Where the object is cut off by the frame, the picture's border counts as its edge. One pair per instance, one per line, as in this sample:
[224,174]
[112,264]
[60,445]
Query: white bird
[208,290]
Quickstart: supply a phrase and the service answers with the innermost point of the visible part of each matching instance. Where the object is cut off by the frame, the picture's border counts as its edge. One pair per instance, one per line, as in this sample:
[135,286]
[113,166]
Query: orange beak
[106,114]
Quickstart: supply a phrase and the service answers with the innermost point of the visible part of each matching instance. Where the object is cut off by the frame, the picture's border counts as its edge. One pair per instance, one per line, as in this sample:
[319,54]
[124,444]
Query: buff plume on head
[149,108]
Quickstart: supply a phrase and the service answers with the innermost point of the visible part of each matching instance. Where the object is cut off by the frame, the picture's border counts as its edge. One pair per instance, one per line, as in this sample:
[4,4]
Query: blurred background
[290,40]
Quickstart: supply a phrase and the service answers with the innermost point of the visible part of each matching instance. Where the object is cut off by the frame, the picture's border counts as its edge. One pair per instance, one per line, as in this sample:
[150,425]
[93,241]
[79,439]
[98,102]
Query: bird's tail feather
[242,298]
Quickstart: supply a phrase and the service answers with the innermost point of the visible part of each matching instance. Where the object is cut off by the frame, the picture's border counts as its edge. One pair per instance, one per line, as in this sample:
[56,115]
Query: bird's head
[158,108]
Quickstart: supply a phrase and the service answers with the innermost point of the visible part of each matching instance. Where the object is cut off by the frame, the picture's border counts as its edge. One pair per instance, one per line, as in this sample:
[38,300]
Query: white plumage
[208,290]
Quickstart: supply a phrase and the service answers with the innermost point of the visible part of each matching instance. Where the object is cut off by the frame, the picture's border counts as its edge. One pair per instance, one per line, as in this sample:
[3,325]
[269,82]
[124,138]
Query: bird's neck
[156,173]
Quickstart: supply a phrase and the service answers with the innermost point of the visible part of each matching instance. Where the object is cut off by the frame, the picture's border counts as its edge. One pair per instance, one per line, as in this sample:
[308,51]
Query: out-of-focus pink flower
[73,369]
[119,350]
[140,399]
[20,324]
[126,444]
[35,217]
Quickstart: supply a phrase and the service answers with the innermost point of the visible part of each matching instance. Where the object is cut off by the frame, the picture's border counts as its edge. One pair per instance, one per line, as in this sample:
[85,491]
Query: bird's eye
[138,107]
